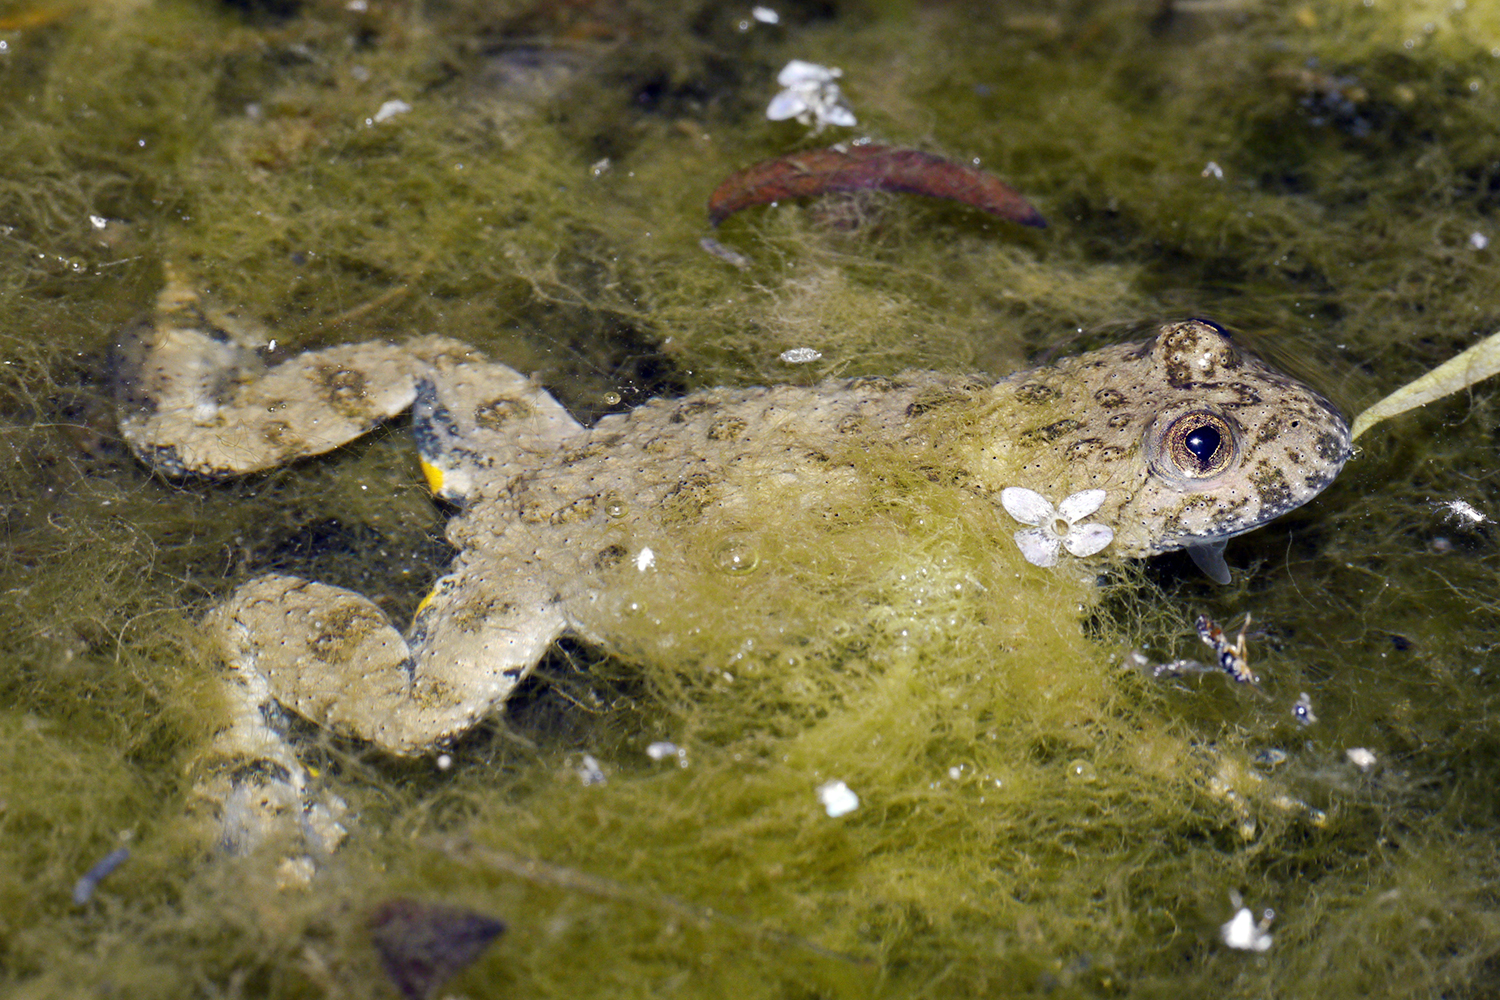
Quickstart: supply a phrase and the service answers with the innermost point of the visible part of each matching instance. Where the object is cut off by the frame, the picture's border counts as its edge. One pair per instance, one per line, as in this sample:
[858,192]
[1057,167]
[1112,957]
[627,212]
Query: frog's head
[1229,444]
[1192,440]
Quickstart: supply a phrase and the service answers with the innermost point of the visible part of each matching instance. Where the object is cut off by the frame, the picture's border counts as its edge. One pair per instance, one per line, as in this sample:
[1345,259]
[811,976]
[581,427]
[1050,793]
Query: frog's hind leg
[195,393]
[334,658]
[475,419]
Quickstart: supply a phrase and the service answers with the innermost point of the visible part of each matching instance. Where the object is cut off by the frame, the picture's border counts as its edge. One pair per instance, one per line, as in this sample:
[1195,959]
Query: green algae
[1035,817]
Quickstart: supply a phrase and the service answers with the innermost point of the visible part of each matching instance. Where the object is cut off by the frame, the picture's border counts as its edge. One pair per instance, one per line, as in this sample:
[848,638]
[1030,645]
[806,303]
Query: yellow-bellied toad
[1182,441]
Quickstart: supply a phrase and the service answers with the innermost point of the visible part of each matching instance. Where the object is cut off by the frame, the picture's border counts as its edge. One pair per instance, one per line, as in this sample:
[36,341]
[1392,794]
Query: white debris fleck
[295,873]
[1244,932]
[765,15]
[724,253]
[1212,169]
[589,771]
[1361,758]
[601,167]
[1478,240]
[358,6]
[391,109]
[810,94]
[1461,512]
[1302,710]
[444,761]
[837,798]
[662,749]
[800,355]
[645,560]
[98,221]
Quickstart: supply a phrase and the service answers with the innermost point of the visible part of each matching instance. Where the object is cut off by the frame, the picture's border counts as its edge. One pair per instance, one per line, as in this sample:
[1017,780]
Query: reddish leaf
[868,168]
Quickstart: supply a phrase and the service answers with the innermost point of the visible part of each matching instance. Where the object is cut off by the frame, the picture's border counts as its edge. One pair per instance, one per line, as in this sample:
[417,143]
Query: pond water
[1036,815]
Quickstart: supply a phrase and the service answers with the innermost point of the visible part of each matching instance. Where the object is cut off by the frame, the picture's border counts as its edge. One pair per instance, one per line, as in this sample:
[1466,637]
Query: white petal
[787,104]
[1038,546]
[391,109]
[1239,932]
[1026,506]
[838,115]
[1086,539]
[799,71]
[1080,505]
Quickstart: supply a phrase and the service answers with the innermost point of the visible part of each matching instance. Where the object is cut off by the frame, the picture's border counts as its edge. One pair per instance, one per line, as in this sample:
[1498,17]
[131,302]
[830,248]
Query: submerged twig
[540,872]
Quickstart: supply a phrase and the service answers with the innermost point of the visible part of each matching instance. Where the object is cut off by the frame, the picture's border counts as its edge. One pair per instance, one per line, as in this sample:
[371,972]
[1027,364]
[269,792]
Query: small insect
[1234,659]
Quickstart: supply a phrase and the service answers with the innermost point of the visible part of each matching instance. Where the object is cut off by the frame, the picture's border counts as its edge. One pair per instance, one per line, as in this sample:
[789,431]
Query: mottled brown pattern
[691,408]
[726,429]
[496,413]
[1036,392]
[344,388]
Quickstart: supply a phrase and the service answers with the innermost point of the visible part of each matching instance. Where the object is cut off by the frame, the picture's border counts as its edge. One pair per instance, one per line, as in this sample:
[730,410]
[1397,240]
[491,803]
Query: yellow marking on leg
[434,477]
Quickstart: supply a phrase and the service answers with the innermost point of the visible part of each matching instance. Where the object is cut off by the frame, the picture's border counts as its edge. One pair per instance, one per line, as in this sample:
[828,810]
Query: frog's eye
[1199,445]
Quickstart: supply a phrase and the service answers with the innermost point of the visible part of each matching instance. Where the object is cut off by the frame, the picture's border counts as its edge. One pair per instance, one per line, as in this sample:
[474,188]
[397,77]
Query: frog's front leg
[333,657]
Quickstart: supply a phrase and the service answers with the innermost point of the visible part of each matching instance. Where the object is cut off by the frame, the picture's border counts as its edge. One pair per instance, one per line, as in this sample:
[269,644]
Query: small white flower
[1056,527]
[811,94]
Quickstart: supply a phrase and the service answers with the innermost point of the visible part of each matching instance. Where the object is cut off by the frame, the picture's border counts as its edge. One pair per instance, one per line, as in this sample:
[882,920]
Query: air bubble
[1082,771]
[736,555]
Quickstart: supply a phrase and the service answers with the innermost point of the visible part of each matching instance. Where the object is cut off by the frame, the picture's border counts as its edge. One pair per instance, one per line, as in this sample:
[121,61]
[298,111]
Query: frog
[1183,440]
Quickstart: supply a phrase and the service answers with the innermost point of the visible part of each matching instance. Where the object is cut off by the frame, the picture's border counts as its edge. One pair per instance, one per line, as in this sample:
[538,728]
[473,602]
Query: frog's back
[1192,440]
[723,454]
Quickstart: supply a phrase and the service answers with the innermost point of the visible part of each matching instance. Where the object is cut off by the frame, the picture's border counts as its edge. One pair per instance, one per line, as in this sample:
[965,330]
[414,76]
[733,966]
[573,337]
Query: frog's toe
[255,791]
[265,809]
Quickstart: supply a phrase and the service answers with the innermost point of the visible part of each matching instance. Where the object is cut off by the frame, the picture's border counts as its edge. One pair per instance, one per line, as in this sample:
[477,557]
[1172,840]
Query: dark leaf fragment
[423,945]
[868,168]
